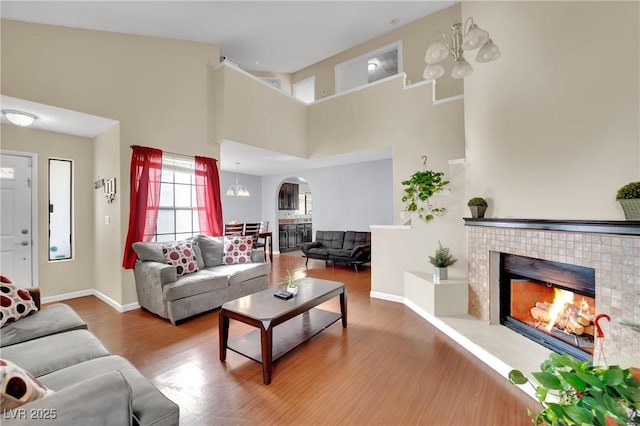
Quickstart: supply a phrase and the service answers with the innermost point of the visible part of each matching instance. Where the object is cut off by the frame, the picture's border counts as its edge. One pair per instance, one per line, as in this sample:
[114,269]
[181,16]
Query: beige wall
[156,88]
[552,128]
[258,115]
[407,121]
[62,276]
[108,242]
[415,37]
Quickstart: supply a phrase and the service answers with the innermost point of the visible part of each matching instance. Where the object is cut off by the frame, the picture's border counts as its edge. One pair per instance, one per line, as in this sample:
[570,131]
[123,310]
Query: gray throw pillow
[149,252]
[197,251]
[211,249]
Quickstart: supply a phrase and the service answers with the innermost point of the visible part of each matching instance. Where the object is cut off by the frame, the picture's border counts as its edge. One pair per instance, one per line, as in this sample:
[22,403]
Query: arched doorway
[294,214]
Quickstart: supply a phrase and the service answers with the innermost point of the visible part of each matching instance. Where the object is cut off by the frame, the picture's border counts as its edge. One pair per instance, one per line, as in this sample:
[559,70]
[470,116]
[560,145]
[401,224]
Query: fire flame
[560,299]
[585,310]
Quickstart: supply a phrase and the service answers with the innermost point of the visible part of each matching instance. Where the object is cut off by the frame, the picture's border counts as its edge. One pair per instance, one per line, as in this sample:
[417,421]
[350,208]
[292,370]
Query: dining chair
[264,227]
[234,228]
[252,229]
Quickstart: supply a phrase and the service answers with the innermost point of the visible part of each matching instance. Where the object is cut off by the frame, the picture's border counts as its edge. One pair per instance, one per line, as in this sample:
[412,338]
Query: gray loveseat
[352,248]
[161,291]
[91,386]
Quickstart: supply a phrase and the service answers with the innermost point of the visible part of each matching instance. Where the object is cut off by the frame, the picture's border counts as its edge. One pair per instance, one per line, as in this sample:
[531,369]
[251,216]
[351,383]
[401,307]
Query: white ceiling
[59,120]
[262,162]
[280,36]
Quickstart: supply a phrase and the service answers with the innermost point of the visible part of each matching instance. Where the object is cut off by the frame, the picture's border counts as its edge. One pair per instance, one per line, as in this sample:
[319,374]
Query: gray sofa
[91,386]
[161,291]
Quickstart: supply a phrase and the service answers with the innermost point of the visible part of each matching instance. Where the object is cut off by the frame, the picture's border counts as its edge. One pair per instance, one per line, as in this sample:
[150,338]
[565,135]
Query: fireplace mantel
[615,227]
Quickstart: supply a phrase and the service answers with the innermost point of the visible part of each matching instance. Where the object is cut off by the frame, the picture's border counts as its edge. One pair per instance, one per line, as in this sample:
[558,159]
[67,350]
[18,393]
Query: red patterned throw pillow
[19,386]
[237,249]
[15,303]
[181,256]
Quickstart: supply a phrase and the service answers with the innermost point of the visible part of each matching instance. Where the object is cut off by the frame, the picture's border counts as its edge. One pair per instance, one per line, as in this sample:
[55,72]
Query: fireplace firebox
[549,302]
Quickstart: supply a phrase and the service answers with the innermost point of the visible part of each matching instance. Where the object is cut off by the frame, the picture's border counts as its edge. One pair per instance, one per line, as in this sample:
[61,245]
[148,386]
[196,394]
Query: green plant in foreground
[477,201]
[419,188]
[629,191]
[443,258]
[584,394]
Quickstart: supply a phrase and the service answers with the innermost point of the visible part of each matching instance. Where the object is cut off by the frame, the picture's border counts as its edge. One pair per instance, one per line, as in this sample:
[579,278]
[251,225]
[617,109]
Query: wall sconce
[109,188]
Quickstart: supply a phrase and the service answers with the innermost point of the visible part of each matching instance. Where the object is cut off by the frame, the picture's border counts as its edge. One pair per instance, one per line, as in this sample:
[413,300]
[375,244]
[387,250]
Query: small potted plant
[292,283]
[581,393]
[629,198]
[441,261]
[478,206]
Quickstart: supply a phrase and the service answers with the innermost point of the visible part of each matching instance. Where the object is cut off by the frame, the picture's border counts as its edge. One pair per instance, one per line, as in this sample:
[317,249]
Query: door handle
[24,243]
[24,231]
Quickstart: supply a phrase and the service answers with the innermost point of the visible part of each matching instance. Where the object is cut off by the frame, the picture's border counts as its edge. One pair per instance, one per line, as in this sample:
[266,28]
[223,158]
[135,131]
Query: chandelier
[470,37]
[238,190]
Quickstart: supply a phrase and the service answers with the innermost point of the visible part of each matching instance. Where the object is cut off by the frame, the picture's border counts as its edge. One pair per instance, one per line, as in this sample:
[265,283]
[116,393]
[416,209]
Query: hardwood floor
[389,367]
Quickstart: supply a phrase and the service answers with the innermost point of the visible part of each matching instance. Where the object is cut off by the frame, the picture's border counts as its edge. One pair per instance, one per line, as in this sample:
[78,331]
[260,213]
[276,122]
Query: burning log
[540,314]
[574,328]
[570,318]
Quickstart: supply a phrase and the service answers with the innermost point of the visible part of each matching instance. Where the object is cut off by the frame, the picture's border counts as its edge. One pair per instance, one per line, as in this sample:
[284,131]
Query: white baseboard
[92,292]
[385,296]
[65,296]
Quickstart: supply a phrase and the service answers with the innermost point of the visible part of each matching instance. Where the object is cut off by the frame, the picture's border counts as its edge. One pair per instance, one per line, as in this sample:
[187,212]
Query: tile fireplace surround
[612,248]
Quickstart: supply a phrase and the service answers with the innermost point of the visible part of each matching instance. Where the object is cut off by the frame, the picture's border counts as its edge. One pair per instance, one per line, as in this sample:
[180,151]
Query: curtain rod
[174,153]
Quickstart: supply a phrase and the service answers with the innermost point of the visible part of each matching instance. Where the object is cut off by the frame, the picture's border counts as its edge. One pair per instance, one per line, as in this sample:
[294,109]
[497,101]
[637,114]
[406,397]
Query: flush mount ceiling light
[372,66]
[469,38]
[238,190]
[19,118]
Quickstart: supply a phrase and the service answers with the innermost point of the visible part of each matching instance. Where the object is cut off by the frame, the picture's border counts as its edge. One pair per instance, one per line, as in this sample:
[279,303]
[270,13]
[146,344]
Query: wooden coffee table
[282,325]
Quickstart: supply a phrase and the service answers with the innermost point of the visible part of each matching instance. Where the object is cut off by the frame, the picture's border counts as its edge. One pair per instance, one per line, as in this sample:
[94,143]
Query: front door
[16,238]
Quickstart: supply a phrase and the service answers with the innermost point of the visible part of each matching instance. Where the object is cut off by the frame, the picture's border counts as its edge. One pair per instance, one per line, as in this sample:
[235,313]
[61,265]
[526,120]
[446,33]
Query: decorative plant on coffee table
[292,283]
[441,261]
[419,188]
[582,393]
[629,198]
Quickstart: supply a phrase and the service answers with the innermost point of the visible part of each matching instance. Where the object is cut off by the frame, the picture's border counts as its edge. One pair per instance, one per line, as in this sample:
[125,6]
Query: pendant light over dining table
[238,190]
[470,37]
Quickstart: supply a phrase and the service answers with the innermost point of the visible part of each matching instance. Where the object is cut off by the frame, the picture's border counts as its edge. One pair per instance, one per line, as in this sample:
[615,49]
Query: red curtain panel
[146,169]
[208,196]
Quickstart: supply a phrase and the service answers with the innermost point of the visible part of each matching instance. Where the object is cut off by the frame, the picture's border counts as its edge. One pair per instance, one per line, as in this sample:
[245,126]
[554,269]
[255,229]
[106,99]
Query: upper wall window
[373,66]
[60,208]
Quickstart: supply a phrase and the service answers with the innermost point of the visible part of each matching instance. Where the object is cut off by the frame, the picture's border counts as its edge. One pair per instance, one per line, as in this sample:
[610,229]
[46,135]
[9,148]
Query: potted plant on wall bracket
[441,261]
[478,206]
[629,198]
[581,393]
[419,189]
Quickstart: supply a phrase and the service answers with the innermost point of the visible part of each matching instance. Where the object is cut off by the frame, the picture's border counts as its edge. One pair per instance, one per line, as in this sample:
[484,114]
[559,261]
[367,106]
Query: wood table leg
[223,329]
[343,307]
[271,248]
[266,337]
